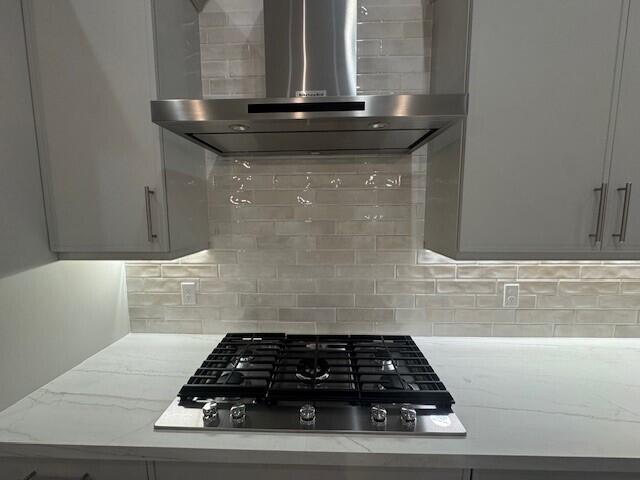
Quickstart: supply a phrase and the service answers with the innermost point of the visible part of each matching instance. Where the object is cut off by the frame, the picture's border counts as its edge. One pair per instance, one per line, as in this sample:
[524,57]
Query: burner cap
[308,370]
[231,378]
[390,382]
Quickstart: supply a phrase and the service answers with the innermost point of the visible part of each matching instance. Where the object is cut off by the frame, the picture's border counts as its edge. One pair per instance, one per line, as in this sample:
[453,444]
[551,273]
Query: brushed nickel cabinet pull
[602,207]
[622,234]
[147,198]
[34,476]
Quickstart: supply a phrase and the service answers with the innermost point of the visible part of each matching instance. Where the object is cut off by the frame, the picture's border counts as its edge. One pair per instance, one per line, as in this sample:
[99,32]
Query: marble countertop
[526,403]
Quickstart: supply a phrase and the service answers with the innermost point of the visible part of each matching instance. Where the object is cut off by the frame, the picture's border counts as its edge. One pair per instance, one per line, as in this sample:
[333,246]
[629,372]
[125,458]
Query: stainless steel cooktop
[315,383]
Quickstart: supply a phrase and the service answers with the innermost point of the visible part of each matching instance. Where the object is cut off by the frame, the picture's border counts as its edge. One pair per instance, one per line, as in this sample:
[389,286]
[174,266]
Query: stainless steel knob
[210,411]
[378,414]
[307,413]
[238,412]
[408,414]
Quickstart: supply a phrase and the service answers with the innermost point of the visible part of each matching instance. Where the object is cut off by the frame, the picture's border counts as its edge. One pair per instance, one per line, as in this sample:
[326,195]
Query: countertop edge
[349,459]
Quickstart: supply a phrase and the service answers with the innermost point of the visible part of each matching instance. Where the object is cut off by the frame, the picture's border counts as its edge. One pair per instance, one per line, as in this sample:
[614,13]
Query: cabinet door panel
[541,78]
[524,475]
[180,471]
[625,166]
[94,75]
[19,468]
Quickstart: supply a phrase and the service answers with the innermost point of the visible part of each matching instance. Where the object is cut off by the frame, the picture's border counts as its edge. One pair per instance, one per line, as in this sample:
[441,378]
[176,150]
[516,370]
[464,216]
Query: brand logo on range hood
[311,93]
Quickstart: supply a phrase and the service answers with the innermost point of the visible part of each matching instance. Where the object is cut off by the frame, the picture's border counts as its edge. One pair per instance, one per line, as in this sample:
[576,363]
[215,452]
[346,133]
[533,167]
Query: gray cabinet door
[626,145]
[541,79]
[19,468]
[545,475]
[180,471]
[93,77]
[23,242]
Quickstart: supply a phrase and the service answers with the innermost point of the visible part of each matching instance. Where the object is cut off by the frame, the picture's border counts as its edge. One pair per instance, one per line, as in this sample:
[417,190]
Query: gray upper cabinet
[23,242]
[522,177]
[116,186]
[623,212]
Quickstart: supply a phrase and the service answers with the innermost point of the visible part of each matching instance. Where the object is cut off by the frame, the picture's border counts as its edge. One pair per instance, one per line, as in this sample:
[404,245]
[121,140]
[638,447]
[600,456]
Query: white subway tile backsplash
[365,315]
[249,313]
[488,271]
[287,286]
[519,330]
[545,316]
[548,271]
[446,301]
[341,285]
[189,271]
[627,331]
[306,271]
[365,271]
[466,286]
[607,316]
[335,244]
[386,258]
[345,242]
[307,314]
[326,300]
[218,299]
[620,271]
[208,285]
[434,271]
[326,257]
[248,271]
[267,300]
[405,286]
[583,330]
[134,270]
[462,329]
[385,301]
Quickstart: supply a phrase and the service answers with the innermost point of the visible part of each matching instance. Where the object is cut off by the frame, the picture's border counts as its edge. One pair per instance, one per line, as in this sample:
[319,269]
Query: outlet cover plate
[511,297]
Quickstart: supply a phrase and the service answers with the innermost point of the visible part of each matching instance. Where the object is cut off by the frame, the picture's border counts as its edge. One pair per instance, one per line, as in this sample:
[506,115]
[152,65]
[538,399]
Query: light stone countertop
[567,404]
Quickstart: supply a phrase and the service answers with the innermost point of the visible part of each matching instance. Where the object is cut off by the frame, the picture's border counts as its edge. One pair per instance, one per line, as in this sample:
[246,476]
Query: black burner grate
[358,369]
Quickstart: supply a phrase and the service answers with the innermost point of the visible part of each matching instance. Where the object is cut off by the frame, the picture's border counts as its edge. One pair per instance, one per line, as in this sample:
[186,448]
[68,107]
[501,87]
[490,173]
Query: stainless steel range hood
[311,105]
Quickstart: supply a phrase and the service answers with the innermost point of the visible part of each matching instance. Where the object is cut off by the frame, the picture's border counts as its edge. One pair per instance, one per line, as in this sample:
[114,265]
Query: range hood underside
[299,126]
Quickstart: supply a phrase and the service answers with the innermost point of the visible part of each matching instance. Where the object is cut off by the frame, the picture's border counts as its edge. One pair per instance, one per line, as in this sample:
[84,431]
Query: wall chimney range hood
[311,105]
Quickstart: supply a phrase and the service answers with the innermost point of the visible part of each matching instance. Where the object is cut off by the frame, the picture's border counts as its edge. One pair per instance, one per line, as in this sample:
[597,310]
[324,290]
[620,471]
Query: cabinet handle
[622,235]
[602,207]
[147,199]
[34,476]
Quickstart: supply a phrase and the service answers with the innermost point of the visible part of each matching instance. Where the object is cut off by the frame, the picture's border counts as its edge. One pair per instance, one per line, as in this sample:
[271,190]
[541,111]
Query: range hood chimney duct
[310,48]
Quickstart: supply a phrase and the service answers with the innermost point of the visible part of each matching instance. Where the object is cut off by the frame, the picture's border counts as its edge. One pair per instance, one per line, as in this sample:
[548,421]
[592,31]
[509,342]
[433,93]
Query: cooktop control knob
[210,411]
[408,414]
[307,413]
[378,414]
[238,413]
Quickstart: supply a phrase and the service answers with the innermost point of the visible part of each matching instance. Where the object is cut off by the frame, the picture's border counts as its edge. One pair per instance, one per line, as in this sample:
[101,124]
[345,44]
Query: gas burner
[387,365]
[393,382]
[326,346]
[231,378]
[311,369]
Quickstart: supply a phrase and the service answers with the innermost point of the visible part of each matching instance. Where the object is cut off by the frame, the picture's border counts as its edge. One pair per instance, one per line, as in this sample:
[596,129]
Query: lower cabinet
[35,469]
[524,475]
[182,471]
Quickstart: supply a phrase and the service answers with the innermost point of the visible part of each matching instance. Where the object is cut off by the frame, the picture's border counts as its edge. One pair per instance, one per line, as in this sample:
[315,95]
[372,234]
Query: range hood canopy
[311,105]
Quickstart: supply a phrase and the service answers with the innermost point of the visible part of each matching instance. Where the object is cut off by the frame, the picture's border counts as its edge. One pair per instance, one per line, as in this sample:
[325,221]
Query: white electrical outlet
[188,290]
[511,295]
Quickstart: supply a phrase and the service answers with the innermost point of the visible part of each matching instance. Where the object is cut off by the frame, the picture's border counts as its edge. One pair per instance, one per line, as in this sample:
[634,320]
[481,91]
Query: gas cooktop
[316,383]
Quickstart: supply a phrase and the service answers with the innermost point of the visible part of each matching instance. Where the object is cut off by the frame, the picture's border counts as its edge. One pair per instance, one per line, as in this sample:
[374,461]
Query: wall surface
[23,238]
[55,316]
[333,244]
